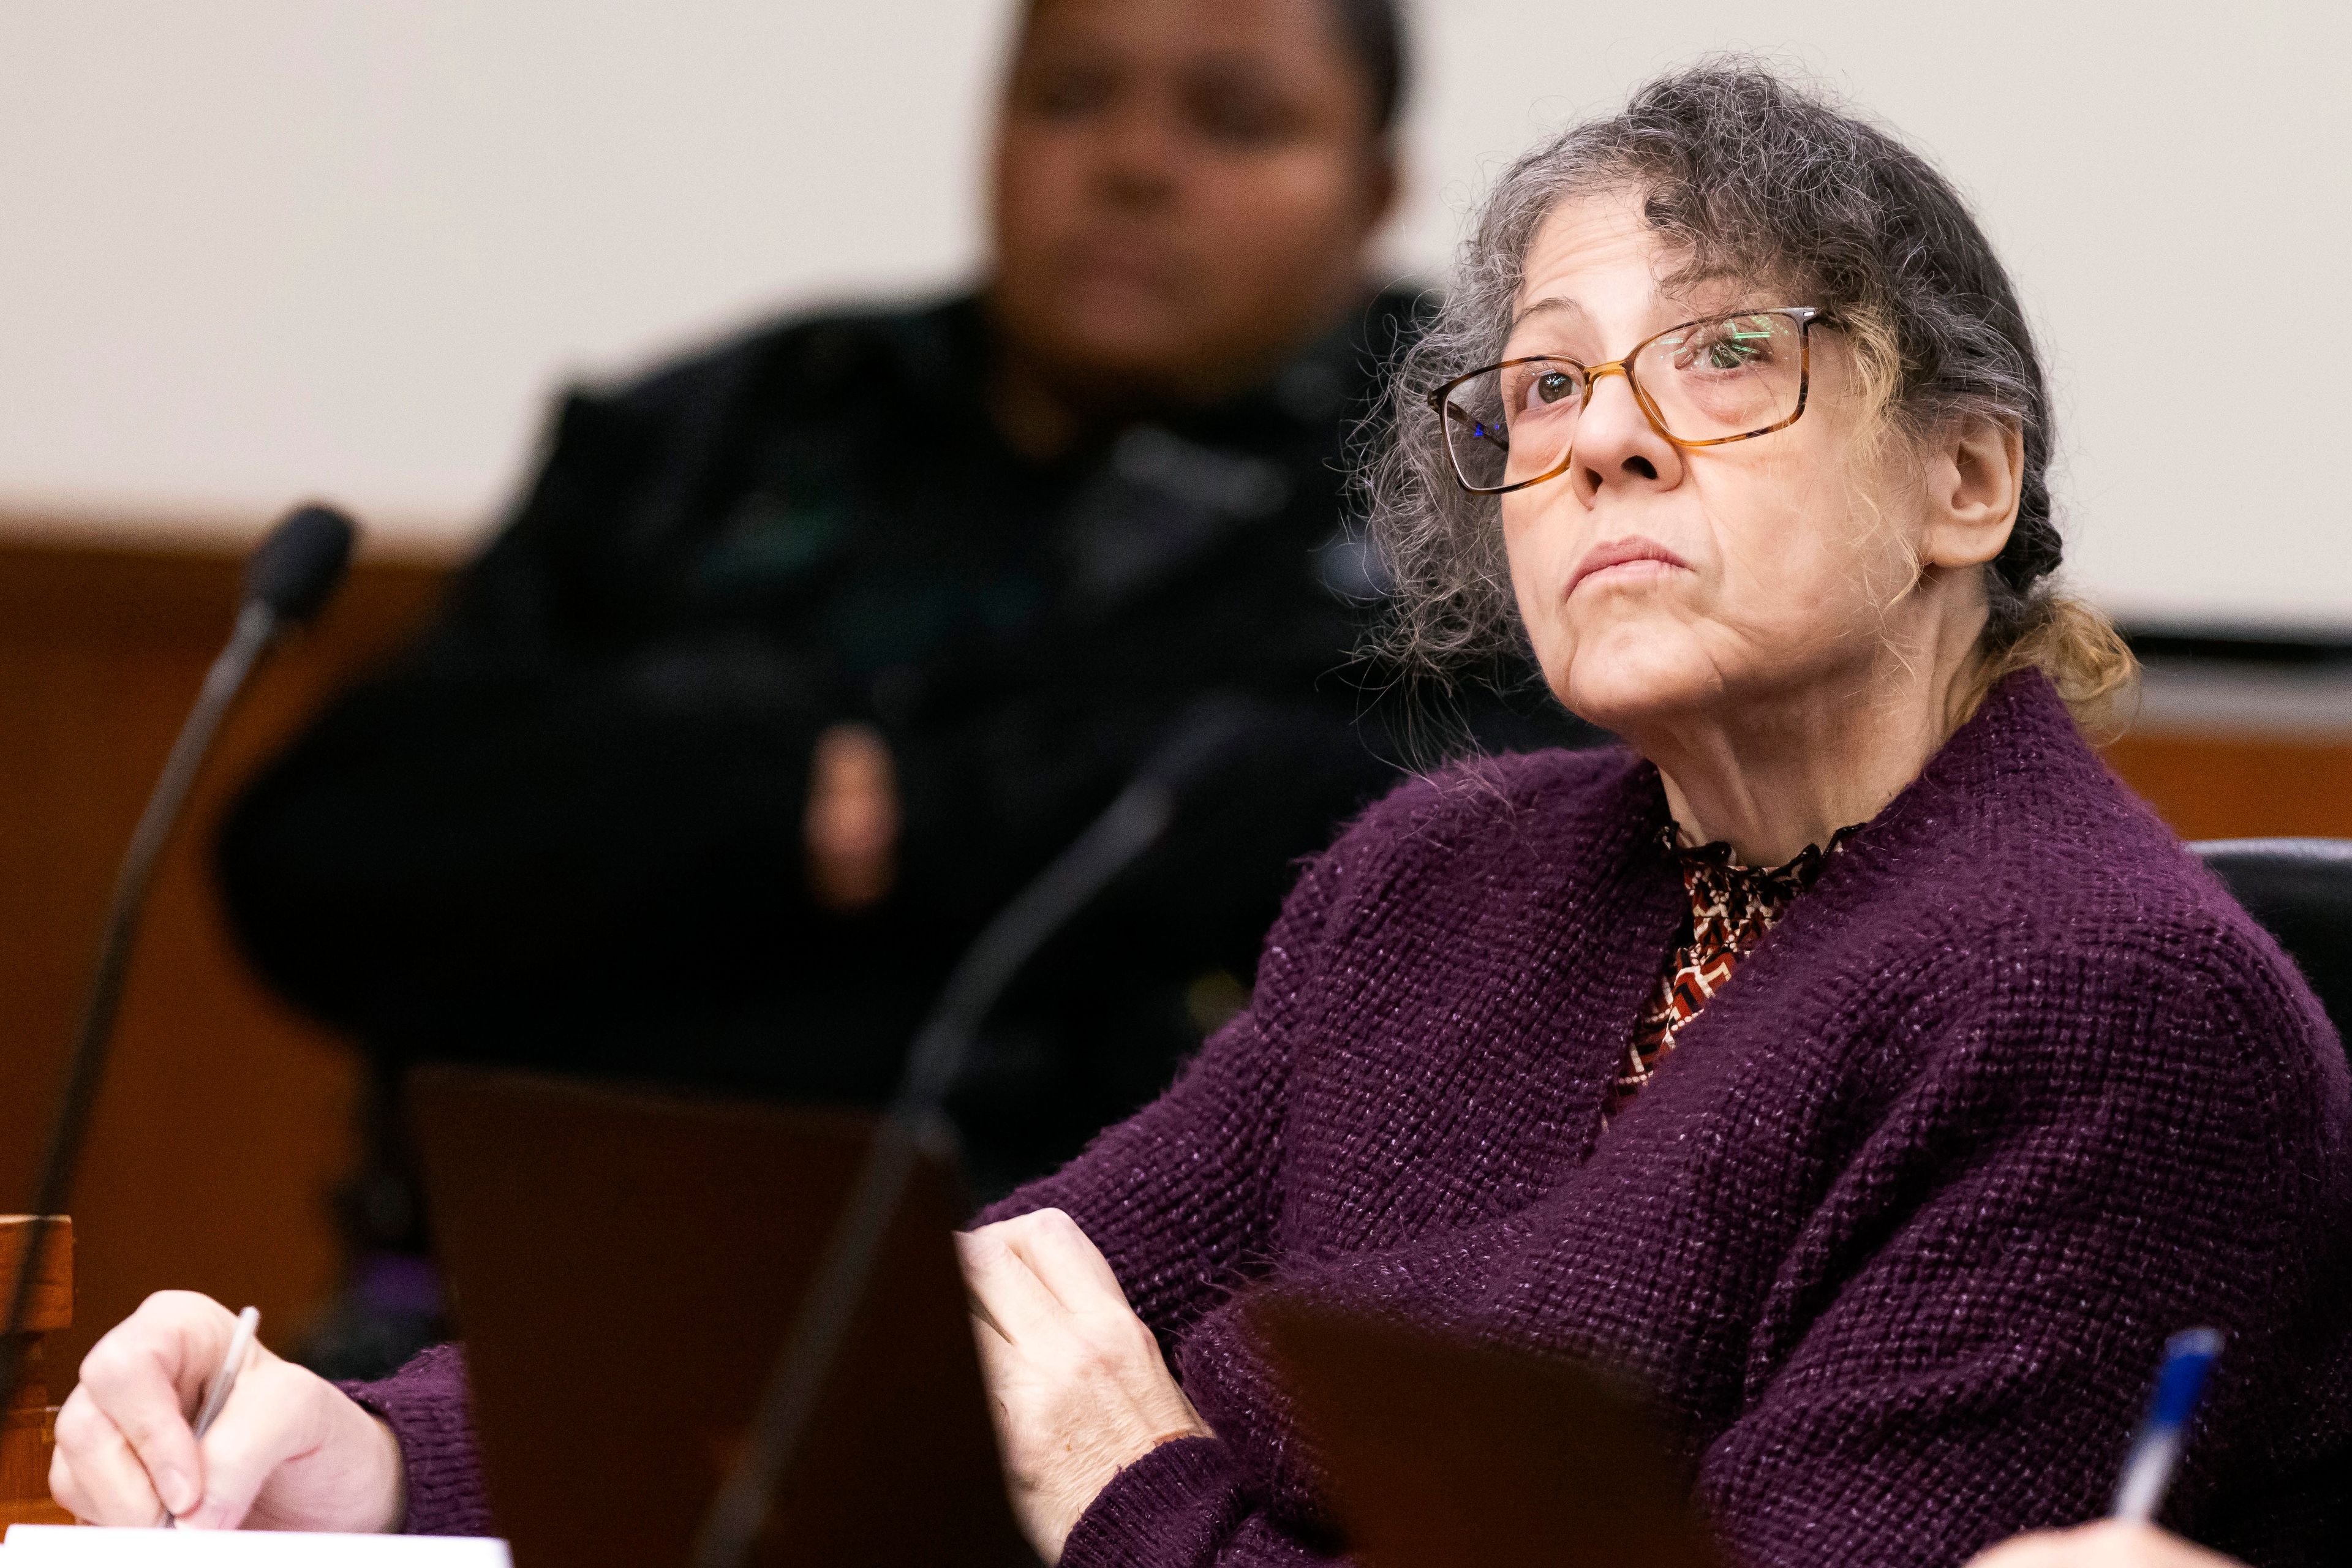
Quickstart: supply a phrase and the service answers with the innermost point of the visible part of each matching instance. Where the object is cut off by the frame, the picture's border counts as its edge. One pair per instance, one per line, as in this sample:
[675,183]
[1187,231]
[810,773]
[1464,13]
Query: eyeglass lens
[1726,377]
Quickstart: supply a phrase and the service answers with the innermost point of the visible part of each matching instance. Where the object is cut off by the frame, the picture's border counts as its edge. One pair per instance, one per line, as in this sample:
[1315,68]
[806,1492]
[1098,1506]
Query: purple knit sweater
[1895,1235]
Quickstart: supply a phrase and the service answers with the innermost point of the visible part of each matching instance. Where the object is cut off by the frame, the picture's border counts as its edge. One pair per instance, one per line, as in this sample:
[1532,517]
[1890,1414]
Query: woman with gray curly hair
[1850,1057]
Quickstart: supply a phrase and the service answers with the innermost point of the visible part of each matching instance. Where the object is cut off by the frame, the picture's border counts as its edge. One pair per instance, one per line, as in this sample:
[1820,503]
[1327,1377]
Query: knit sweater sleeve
[1959,1345]
[1182,1197]
[1184,1506]
[428,1407]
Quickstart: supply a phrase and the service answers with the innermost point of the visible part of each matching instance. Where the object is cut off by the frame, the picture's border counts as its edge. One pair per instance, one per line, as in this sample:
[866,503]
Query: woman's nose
[1617,448]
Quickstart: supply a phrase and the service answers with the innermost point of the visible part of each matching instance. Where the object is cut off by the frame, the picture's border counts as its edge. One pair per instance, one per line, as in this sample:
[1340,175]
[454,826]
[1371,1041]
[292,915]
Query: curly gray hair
[1741,172]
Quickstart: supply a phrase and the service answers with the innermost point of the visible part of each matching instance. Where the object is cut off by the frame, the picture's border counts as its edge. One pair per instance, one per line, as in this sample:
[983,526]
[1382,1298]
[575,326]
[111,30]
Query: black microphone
[288,577]
[1210,735]
[297,567]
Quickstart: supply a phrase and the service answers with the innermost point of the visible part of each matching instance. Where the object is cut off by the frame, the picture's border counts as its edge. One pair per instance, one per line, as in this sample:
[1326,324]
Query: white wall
[254,248]
[251,249]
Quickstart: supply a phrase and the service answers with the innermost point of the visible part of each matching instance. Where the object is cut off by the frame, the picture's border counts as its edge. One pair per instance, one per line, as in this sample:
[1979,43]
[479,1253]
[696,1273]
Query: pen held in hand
[2180,1385]
[240,1345]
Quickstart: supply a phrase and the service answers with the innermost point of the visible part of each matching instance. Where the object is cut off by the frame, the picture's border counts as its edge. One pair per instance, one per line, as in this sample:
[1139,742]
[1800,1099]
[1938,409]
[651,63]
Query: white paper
[80,1546]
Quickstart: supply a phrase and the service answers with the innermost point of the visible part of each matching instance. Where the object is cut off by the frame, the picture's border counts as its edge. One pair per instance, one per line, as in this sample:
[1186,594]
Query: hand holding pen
[282,1448]
[240,1345]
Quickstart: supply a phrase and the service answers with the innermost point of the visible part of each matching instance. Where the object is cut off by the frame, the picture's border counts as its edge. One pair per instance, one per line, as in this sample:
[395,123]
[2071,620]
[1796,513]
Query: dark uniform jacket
[566,832]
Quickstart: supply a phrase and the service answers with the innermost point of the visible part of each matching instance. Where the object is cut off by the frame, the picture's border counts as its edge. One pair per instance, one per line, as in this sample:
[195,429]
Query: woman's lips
[1623,559]
[1125,262]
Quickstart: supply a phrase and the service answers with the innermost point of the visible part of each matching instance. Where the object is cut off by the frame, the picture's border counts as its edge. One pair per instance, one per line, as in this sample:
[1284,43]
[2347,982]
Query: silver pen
[240,1345]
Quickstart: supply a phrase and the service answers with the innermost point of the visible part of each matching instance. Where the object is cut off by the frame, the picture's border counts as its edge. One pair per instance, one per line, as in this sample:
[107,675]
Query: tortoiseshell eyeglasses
[1702,384]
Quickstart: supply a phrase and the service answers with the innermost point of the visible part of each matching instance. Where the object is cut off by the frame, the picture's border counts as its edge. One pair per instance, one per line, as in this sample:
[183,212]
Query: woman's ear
[1975,478]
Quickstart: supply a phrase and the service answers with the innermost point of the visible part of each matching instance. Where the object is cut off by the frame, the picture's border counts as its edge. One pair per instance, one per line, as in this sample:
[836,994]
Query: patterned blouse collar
[1732,907]
[1715,877]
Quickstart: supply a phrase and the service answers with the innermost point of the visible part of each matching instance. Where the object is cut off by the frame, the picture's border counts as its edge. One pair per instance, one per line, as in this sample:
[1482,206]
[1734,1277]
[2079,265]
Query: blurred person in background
[802,654]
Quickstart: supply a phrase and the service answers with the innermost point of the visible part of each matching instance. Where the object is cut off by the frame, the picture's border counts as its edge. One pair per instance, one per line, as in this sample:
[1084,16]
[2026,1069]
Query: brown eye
[1238,110]
[1732,353]
[1067,92]
[1553,385]
[1736,344]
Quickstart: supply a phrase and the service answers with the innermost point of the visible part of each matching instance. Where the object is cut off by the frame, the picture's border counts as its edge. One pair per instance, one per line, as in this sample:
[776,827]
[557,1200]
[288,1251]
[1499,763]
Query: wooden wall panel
[226,1117]
[2241,786]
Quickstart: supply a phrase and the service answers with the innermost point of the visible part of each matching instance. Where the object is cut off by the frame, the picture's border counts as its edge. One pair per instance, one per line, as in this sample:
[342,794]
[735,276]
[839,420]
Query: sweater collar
[2021,728]
[2019,752]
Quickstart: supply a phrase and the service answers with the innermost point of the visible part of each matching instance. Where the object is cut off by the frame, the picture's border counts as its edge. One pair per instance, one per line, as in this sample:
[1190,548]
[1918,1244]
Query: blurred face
[1662,585]
[1183,189]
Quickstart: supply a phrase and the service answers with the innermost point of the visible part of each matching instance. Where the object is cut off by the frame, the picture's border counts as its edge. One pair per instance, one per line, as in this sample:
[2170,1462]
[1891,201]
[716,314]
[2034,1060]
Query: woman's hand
[2106,1544]
[288,1452]
[1075,1380]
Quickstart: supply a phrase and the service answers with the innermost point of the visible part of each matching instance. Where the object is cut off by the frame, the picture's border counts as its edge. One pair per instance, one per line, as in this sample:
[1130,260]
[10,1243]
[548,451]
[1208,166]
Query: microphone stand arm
[915,1122]
[257,625]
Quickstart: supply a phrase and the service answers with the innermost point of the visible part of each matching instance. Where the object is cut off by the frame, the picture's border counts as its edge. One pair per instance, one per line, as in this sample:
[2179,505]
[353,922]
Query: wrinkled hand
[1076,1382]
[851,826]
[2106,1544]
[289,1451]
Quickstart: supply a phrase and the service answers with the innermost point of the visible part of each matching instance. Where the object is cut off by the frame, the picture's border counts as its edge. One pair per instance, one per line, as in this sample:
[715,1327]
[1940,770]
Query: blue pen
[2188,1357]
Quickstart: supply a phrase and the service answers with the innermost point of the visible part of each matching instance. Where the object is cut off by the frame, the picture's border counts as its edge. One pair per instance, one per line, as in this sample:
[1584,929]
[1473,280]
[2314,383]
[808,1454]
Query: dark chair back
[2300,890]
